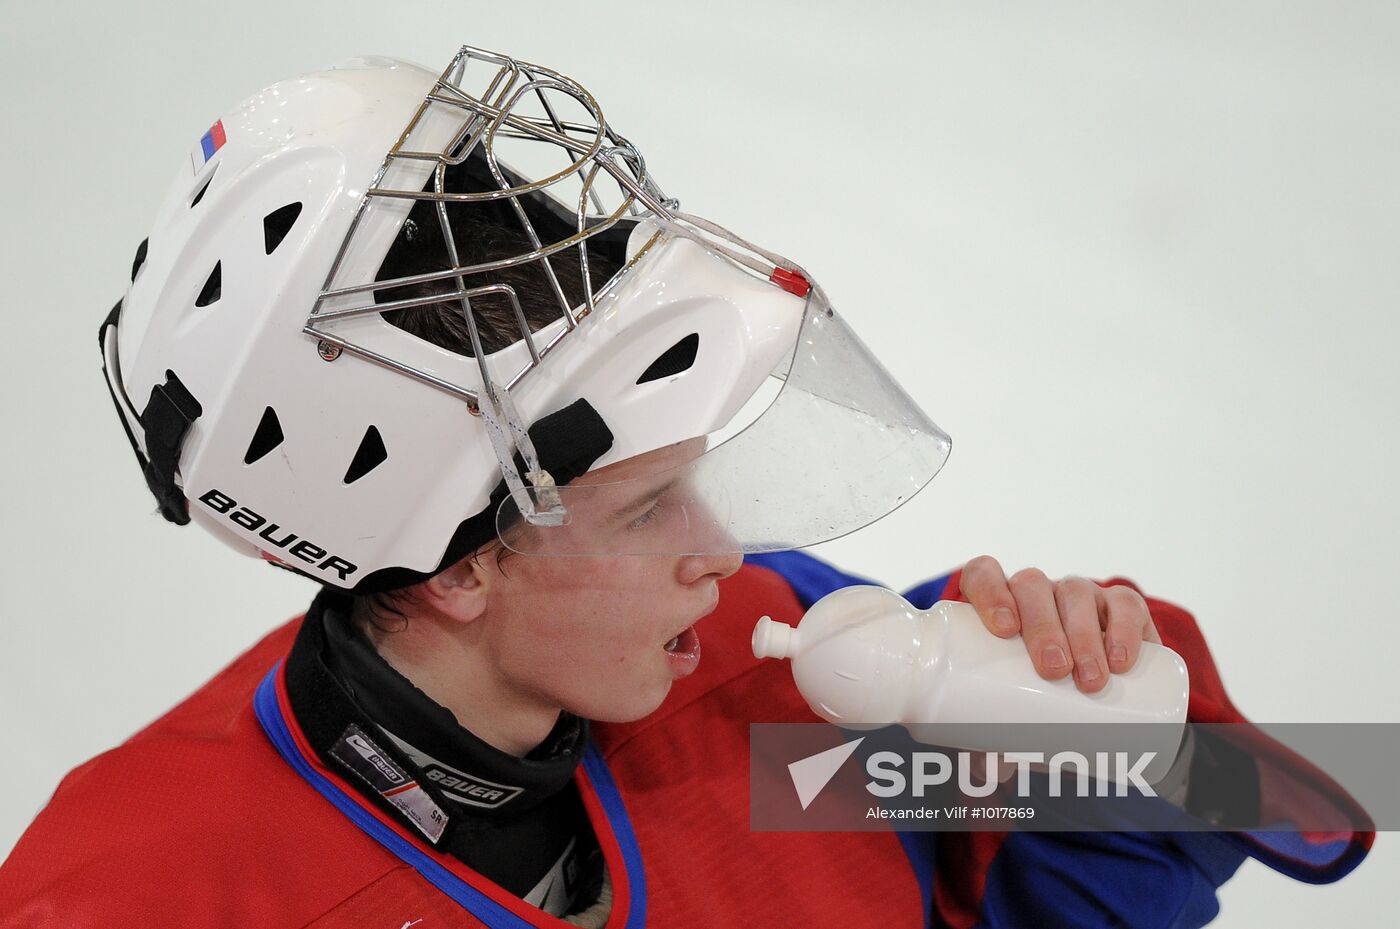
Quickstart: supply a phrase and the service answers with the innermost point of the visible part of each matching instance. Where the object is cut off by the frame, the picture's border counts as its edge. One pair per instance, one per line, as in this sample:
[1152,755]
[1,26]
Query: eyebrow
[641,501]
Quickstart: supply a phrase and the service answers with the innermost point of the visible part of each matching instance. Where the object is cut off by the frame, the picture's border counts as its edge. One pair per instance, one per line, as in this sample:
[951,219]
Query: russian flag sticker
[212,141]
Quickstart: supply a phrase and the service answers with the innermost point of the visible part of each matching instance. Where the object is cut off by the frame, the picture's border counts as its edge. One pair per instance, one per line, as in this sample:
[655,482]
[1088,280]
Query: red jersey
[220,814]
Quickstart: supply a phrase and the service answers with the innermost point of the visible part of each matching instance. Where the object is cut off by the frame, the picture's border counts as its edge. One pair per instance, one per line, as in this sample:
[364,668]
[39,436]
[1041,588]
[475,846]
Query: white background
[1139,261]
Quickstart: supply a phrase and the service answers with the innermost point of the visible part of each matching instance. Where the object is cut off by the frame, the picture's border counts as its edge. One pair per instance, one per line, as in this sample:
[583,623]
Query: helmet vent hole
[199,194]
[213,287]
[140,259]
[674,360]
[277,224]
[370,455]
[267,437]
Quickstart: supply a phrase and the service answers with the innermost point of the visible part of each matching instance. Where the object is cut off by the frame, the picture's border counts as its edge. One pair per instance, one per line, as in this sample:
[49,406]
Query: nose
[694,569]
[721,553]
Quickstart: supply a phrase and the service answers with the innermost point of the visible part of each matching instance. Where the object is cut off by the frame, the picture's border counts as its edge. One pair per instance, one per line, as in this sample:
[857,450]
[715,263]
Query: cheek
[578,620]
[585,630]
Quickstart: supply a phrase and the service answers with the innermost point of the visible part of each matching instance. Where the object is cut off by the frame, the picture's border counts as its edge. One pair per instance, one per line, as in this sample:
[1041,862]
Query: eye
[647,517]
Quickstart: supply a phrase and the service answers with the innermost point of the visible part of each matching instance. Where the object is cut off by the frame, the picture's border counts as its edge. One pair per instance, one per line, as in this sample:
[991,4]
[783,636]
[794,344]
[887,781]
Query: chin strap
[540,503]
[158,433]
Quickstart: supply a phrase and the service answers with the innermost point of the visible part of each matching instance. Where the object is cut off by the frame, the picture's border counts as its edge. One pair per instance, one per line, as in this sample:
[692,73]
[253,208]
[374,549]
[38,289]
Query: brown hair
[482,232]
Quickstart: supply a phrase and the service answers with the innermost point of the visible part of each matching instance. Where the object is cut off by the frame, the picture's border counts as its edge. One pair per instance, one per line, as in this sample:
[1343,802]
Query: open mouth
[684,645]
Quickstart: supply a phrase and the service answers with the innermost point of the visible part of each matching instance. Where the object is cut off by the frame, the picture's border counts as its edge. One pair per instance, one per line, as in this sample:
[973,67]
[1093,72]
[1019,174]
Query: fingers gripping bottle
[864,657]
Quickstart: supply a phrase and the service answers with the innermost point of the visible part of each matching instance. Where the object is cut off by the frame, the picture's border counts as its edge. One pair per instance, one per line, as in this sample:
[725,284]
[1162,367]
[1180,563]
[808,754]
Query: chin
[625,709]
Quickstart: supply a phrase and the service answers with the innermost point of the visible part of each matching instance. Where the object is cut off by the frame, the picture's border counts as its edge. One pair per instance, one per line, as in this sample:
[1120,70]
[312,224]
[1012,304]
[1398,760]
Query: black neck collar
[336,678]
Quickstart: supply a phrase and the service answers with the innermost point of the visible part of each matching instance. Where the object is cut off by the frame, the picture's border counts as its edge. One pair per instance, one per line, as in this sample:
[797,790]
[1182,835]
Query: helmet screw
[327,351]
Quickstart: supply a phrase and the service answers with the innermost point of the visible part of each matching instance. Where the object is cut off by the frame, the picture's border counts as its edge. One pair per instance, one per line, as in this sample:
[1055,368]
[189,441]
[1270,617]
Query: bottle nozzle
[773,639]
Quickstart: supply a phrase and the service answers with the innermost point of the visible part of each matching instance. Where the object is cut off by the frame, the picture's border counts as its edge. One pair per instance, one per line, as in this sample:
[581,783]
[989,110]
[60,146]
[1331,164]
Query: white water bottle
[864,657]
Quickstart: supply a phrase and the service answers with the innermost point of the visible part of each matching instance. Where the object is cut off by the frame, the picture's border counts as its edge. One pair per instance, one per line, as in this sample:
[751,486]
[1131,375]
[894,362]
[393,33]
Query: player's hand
[1069,624]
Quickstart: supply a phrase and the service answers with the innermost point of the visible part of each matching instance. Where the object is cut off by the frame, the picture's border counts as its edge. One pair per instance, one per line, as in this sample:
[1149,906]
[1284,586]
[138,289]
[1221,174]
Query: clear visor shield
[831,444]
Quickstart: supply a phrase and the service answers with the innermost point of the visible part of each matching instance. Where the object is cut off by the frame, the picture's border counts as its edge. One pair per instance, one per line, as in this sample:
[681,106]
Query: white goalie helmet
[261,367]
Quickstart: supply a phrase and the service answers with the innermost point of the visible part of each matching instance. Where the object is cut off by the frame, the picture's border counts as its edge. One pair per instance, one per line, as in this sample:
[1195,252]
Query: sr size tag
[367,761]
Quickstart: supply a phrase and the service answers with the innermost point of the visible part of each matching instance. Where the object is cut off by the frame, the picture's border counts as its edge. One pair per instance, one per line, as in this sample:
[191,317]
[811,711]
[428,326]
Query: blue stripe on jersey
[1301,859]
[919,846]
[472,900]
[808,577]
[811,579]
[1072,880]
[606,789]
[928,593]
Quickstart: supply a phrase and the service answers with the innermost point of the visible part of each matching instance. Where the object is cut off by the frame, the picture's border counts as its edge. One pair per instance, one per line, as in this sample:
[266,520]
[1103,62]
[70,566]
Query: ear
[460,592]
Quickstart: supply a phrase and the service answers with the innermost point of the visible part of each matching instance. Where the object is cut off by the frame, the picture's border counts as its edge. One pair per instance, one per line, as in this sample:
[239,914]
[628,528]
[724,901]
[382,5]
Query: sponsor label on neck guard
[367,761]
